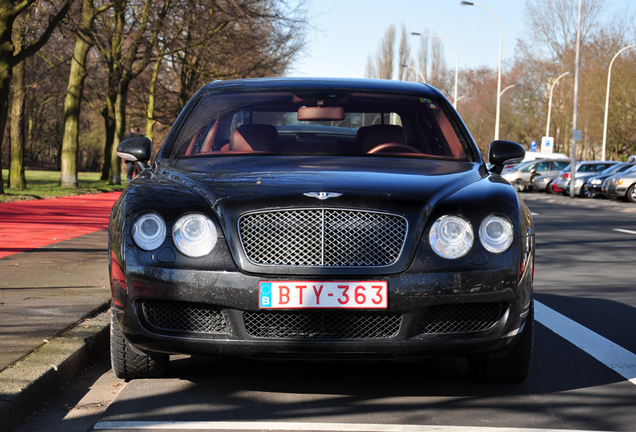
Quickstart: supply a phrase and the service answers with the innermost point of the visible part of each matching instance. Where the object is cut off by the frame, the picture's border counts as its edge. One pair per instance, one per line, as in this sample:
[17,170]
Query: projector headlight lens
[495,233]
[149,231]
[451,237]
[194,235]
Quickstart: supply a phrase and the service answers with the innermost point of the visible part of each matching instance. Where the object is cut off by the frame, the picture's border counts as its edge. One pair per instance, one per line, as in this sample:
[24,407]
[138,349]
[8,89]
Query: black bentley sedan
[321,220]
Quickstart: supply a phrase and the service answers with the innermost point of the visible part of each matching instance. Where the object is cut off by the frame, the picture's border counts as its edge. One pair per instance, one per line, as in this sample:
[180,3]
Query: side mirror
[136,149]
[504,151]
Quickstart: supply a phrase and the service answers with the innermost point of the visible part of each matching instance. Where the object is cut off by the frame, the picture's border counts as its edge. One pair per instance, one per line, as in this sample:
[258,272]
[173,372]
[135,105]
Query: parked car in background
[593,187]
[545,183]
[531,157]
[521,177]
[584,169]
[621,186]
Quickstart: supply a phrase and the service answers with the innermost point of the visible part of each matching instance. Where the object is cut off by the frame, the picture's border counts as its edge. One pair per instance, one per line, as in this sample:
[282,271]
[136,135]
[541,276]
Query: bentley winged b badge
[322,195]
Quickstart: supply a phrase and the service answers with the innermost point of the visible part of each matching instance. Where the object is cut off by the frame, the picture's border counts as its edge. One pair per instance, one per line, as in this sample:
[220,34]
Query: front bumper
[615,191]
[486,308]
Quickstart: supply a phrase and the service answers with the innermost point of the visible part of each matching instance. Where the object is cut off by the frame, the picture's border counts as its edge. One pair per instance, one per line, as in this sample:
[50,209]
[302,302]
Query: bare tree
[17,177]
[369,71]
[422,55]
[11,10]
[438,65]
[404,55]
[385,56]
[84,41]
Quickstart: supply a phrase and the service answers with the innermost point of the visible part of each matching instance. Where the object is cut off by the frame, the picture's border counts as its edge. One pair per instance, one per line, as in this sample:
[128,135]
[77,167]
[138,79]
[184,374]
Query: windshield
[616,169]
[285,123]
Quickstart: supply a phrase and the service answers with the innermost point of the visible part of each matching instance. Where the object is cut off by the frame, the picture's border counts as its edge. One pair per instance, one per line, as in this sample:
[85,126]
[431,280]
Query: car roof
[326,84]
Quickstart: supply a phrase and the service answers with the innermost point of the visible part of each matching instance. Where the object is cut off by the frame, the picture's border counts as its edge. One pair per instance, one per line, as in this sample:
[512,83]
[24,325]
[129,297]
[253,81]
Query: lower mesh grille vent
[460,318]
[317,356]
[282,325]
[184,317]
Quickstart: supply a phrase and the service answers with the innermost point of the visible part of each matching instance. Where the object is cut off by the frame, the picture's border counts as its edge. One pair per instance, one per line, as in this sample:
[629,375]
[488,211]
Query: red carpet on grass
[27,225]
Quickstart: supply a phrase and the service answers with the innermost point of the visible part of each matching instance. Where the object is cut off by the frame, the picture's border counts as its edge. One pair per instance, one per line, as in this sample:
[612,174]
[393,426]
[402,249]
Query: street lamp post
[497,115]
[547,126]
[460,98]
[416,70]
[609,77]
[509,87]
[456,61]
[576,134]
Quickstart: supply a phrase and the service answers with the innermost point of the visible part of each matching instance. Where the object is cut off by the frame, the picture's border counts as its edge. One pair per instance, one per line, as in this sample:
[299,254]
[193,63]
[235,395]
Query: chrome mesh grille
[323,238]
[323,325]
[184,317]
[460,318]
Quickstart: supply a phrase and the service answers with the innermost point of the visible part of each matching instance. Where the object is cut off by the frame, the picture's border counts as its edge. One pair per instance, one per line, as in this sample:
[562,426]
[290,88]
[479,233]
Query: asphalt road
[583,375]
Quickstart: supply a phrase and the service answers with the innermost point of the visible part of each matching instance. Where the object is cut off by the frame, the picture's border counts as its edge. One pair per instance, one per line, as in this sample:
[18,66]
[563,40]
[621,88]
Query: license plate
[325,295]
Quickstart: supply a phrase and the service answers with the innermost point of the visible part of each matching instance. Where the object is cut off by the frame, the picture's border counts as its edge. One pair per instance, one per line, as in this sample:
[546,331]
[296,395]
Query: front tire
[631,194]
[129,363]
[514,367]
[520,186]
[586,193]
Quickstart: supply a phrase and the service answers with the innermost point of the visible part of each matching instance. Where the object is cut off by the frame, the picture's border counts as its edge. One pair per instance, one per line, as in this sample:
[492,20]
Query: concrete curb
[29,383]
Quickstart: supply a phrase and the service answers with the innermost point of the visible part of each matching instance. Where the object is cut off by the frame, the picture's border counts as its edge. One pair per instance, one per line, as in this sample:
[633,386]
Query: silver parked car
[521,177]
[593,186]
[621,186]
[584,169]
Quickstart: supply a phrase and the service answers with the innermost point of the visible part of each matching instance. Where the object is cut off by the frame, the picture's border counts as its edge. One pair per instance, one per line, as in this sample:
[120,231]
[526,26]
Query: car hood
[411,188]
[240,184]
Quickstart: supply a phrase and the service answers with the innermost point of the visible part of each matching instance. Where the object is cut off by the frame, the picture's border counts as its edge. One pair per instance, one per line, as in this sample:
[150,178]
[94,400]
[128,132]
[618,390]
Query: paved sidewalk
[53,280]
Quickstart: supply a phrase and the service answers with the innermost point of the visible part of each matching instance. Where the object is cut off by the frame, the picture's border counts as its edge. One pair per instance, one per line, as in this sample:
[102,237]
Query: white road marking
[625,231]
[290,426]
[534,214]
[611,355]
[607,352]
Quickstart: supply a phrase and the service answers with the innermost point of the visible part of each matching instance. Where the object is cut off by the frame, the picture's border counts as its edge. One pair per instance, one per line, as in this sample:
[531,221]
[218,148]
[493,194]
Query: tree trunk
[72,104]
[109,126]
[150,111]
[120,131]
[5,84]
[17,179]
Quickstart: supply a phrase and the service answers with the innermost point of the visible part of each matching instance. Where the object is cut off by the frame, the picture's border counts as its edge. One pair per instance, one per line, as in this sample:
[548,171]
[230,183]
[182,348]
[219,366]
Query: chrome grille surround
[322,238]
[322,325]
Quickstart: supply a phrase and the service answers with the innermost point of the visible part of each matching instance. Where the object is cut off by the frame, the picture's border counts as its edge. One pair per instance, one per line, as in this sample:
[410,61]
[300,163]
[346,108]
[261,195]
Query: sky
[346,32]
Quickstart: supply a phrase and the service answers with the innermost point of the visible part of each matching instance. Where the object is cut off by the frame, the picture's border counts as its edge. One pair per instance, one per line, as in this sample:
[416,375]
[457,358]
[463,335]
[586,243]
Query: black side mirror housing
[136,149]
[504,151]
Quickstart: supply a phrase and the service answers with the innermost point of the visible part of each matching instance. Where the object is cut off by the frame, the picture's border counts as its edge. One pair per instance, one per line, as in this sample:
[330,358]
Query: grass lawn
[45,184]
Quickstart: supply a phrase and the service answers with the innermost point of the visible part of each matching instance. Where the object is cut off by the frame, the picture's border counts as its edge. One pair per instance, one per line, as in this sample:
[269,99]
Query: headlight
[451,237]
[495,233]
[149,231]
[596,181]
[194,235]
